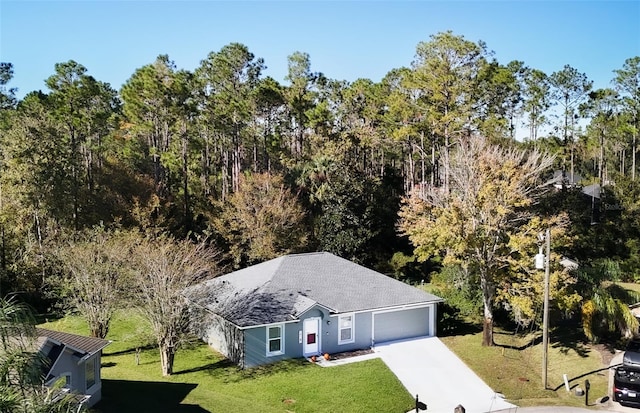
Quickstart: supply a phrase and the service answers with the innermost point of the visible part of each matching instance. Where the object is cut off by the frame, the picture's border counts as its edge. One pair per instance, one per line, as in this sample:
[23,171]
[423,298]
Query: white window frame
[281,338]
[57,381]
[352,328]
[92,362]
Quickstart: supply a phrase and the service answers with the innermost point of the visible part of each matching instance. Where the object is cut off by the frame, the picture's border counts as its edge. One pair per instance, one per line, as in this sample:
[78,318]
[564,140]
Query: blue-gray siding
[368,327]
[72,364]
[224,336]
[256,340]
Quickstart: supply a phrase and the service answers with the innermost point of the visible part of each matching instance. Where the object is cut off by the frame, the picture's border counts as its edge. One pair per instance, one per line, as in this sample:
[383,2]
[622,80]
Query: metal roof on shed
[82,344]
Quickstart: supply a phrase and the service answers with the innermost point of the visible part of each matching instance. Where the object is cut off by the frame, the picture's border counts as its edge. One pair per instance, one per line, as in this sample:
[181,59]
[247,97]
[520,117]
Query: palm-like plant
[608,308]
[16,333]
[21,365]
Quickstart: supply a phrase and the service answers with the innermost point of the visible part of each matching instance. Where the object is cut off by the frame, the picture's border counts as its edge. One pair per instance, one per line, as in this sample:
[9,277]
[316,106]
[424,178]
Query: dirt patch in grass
[607,353]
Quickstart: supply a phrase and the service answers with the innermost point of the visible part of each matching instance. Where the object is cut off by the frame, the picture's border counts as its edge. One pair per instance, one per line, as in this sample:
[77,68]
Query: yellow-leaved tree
[475,221]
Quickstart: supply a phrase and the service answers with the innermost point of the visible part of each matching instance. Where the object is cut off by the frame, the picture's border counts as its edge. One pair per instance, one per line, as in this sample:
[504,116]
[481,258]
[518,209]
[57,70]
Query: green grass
[630,286]
[514,367]
[204,381]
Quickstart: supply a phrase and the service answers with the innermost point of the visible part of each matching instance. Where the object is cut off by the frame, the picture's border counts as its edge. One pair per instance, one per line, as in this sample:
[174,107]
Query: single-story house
[73,363]
[307,304]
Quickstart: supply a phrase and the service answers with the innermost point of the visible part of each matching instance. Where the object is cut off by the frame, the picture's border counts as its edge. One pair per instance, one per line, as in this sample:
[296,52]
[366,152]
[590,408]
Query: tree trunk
[601,161]
[185,177]
[433,162]
[225,173]
[99,330]
[633,158]
[75,193]
[267,163]
[487,331]
[167,355]
[411,172]
[487,323]
[204,164]
[422,175]
[446,158]
[571,178]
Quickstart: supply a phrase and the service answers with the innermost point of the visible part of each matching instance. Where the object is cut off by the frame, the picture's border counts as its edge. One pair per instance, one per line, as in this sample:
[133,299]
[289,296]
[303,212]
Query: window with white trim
[90,372]
[63,381]
[345,329]
[275,340]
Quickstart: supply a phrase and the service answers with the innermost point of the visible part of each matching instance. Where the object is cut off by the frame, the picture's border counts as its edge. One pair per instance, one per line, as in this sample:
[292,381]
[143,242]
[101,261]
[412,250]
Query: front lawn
[514,366]
[205,382]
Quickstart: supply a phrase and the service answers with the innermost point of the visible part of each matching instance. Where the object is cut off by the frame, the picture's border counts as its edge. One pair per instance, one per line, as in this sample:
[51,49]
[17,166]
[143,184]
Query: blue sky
[345,39]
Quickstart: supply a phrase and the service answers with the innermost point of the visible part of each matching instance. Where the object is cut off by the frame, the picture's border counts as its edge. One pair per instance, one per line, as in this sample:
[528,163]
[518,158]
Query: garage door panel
[401,324]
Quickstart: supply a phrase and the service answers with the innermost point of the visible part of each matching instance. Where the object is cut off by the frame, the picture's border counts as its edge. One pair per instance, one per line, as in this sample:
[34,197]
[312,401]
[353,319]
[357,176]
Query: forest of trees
[253,168]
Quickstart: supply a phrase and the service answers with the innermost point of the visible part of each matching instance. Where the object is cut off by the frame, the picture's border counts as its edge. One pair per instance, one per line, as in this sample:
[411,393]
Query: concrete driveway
[426,367]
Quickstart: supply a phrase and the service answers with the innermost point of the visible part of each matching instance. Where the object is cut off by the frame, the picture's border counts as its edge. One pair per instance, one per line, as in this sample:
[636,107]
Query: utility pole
[543,261]
[545,314]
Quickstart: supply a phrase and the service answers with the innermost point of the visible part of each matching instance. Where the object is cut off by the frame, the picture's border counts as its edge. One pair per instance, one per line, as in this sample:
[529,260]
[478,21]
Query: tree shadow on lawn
[568,338]
[216,368]
[230,372]
[123,396]
[131,350]
[536,339]
[573,379]
[564,337]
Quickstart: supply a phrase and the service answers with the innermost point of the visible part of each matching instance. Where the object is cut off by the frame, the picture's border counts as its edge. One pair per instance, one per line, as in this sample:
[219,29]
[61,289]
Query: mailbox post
[587,385]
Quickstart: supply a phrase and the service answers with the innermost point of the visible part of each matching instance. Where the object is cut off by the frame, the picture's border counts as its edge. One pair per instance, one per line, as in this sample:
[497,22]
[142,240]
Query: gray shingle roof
[81,344]
[283,288]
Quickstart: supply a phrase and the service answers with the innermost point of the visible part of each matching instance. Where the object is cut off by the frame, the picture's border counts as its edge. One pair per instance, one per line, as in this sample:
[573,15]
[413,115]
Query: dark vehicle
[632,354]
[626,386]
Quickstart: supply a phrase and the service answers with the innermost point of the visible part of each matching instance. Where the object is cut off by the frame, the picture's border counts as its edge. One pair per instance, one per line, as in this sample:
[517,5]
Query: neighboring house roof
[575,180]
[592,190]
[284,288]
[568,263]
[78,343]
[571,179]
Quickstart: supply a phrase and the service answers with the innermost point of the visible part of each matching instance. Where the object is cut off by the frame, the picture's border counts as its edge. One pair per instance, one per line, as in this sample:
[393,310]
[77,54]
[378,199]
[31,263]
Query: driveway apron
[427,368]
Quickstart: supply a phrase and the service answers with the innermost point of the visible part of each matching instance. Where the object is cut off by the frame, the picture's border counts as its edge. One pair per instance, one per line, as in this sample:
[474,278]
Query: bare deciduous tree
[165,267]
[95,267]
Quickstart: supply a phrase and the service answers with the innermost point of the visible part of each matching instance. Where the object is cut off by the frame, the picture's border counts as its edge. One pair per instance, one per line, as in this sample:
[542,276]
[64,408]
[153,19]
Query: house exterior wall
[225,337]
[68,363]
[361,331]
[389,325]
[256,345]
[95,391]
[73,365]
[401,324]
[368,328]
[256,339]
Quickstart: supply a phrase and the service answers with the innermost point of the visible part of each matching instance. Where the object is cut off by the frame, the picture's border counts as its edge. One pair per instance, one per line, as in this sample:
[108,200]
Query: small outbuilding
[74,363]
[307,304]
